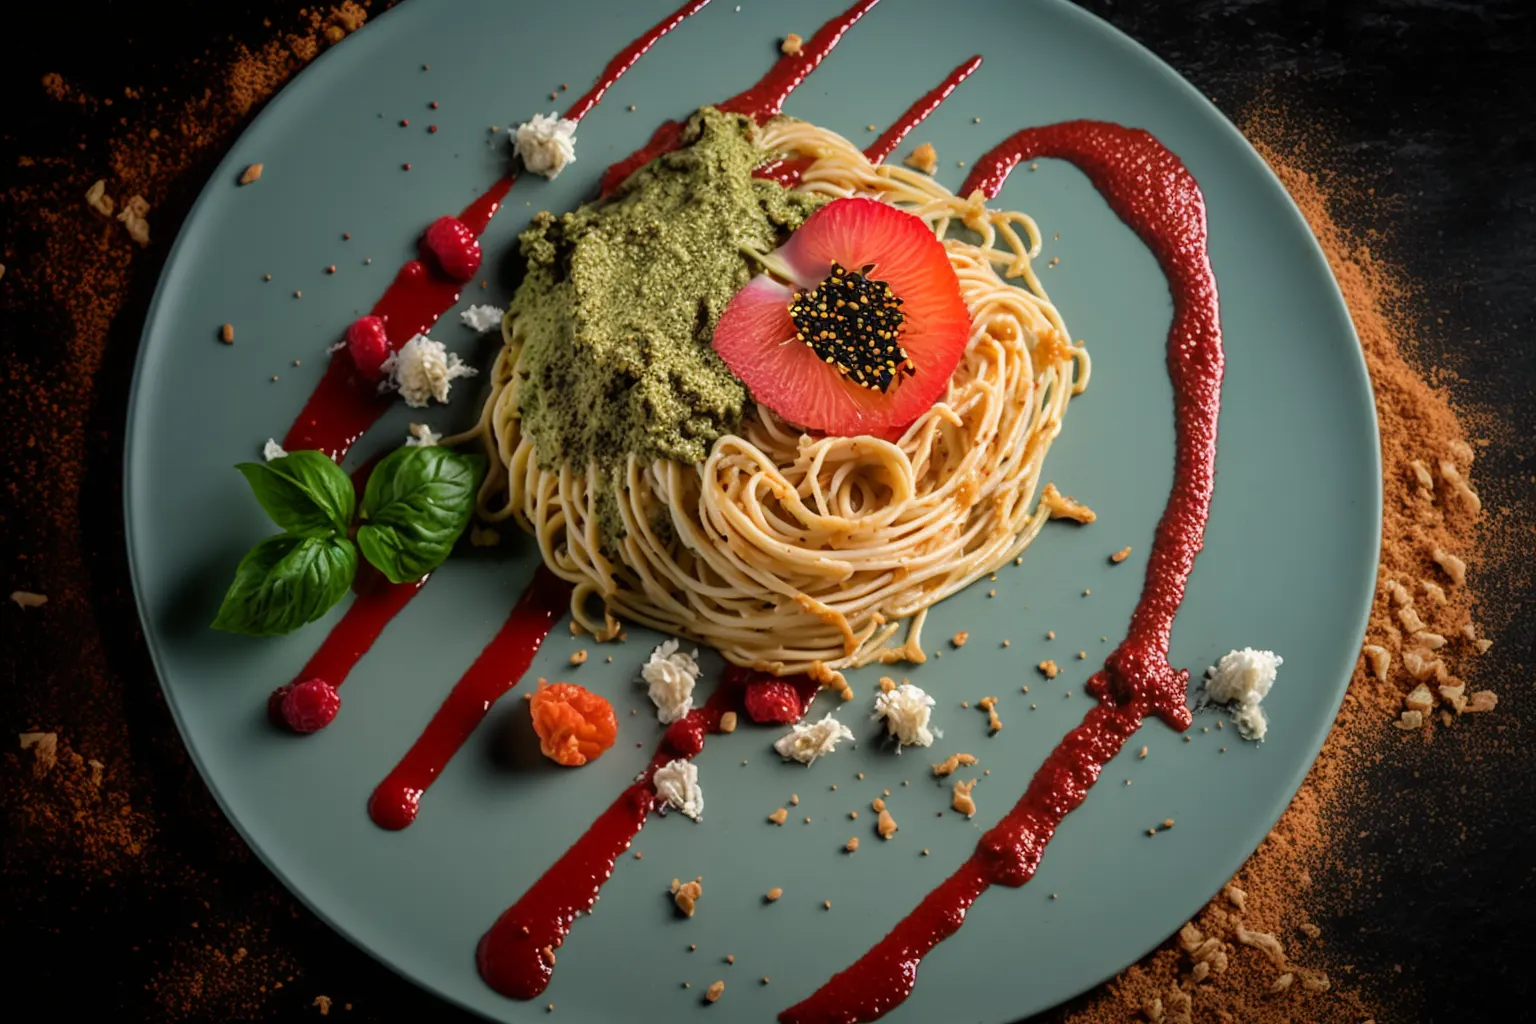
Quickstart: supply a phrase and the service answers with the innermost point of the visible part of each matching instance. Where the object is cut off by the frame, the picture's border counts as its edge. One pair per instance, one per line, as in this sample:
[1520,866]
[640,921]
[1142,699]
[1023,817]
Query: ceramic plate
[1289,561]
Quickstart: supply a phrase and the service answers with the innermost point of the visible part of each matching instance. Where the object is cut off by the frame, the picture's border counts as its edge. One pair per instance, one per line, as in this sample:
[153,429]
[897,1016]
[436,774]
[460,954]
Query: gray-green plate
[1288,565]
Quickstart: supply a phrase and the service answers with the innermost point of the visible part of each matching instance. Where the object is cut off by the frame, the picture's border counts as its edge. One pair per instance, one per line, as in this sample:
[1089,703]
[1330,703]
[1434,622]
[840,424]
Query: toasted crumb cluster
[989,705]
[924,158]
[1064,506]
[1121,555]
[791,44]
[952,762]
[1049,669]
[960,797]
[686,895]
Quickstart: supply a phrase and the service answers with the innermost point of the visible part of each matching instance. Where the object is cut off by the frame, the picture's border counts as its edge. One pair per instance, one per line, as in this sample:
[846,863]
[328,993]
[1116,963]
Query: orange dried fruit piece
[574,724]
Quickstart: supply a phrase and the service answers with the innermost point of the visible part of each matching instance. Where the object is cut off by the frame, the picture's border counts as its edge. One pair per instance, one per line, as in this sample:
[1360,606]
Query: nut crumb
[686,895]
[1120,556]
[924,158]
[1049,669]
[852,844]
[960,638]
[1141,755]
[714,991]
[791,44]
[251,174]
[953,761]
[727,720]
[1064,506]
[989,705]
[580,657]
[773,894]
[886,825]
[960,798]
[887,684]
[27,599]
[794,799]
[323,1003]
[779,816]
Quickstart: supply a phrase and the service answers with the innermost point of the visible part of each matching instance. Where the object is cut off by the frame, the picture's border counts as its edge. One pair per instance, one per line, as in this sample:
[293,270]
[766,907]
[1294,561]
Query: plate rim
[1085,21]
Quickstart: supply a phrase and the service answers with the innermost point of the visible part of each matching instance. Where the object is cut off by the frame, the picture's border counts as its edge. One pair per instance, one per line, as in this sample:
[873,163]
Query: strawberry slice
[866,334]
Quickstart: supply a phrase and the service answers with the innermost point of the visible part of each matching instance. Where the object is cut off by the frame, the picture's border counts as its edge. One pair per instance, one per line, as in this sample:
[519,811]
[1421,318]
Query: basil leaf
[286,581]
[417,502]
[304,492]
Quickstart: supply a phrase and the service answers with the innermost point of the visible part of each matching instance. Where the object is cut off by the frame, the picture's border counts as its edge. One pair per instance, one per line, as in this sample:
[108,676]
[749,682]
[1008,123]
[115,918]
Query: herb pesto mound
[622,295]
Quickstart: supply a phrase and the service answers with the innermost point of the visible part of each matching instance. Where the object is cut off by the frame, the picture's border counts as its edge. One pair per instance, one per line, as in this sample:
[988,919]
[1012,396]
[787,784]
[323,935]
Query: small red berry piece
[310,705]
[275,704]
[369,345]
[686,736]
[773,700]
[454,247]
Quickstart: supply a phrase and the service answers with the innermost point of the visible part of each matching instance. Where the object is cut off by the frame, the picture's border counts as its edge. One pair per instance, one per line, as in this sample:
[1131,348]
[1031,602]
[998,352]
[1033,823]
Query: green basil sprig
[417,503]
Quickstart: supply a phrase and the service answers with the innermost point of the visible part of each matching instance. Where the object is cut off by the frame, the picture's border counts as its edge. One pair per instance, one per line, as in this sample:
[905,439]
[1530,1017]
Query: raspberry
[773,700]
[686,736]
[369,345]
[310,705]
[453,246]
[275,704]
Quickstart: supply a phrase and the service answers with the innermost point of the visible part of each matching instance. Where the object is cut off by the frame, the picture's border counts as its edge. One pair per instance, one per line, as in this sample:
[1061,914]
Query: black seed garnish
[854,324]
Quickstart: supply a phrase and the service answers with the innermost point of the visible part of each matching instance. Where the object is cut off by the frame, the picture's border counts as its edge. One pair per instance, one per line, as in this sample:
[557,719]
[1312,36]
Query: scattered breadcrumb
[779,816]
[1049,669]
[727,722]
[952,762]
[1064,506]
[791,44]
[885,825]
[227,334]
[989,705]
[960,638]
[250,174]
[580,657]
[924,158]
[687,894]
[27,599]
[852,844]
[1120,556]
[960,797]
[1141,755]
[773,894]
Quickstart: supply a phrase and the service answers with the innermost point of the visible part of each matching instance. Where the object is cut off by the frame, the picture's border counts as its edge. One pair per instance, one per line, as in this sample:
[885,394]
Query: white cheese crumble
[1241,679]
[422,436]
[546,144]
[423,369]
[671,675]
[905,711]
[805,743]
[482,319]
[272,450]
[677,782]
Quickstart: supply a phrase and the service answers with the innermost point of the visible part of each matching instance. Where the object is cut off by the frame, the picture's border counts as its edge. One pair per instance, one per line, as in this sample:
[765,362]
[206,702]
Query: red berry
[773,700]
[310,705]
[369,345]
[686,736]
[275,704]
[454,247]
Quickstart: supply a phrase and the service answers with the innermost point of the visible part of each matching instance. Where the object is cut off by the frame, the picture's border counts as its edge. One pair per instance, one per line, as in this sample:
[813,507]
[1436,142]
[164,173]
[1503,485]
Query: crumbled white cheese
[677,782]
[423,369]
[1241,679]
[671,675]
[546,144]
[272,450]
[805,743]
[422,436]
[905,711]
[481,319]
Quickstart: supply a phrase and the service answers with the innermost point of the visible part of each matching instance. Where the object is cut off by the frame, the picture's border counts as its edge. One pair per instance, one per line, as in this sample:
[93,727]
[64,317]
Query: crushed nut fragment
[779,816]
[852,844]
[1063,506]
[773,894]
[960,798]
[715,991]
[580,657]
[989,705]
[950,763]
[1121,555]
[960,638]
[886,825]
[924,158]
[728,722]
[686,895]
[1048,669]
[791,44]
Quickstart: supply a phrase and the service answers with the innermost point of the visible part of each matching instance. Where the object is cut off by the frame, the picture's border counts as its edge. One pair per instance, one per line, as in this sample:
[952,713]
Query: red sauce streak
[760,102]
[512,955]
[377,602]
[343,404]
[498,669]
[1151,190]
[785,170]
[918,112]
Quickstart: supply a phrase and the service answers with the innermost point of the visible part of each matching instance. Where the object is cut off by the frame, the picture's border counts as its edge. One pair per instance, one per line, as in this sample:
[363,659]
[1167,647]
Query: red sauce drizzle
[918,112]
[343,404]
[498,669]
[511,956]
[377,602]
[1150,189]
[760,102]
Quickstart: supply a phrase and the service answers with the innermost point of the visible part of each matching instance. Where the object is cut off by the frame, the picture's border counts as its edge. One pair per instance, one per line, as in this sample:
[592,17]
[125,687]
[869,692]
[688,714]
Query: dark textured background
[1431,102]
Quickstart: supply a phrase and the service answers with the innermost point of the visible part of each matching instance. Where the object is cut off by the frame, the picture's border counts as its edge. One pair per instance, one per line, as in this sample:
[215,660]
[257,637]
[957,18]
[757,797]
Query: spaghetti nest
[797,553]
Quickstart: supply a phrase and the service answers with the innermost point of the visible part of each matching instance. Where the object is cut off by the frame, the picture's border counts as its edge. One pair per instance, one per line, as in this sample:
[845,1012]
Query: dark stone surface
[1432,102]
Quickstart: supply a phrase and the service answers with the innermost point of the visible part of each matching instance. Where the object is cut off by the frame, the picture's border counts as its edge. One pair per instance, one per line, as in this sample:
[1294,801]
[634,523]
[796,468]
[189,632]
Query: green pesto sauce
[622,296]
